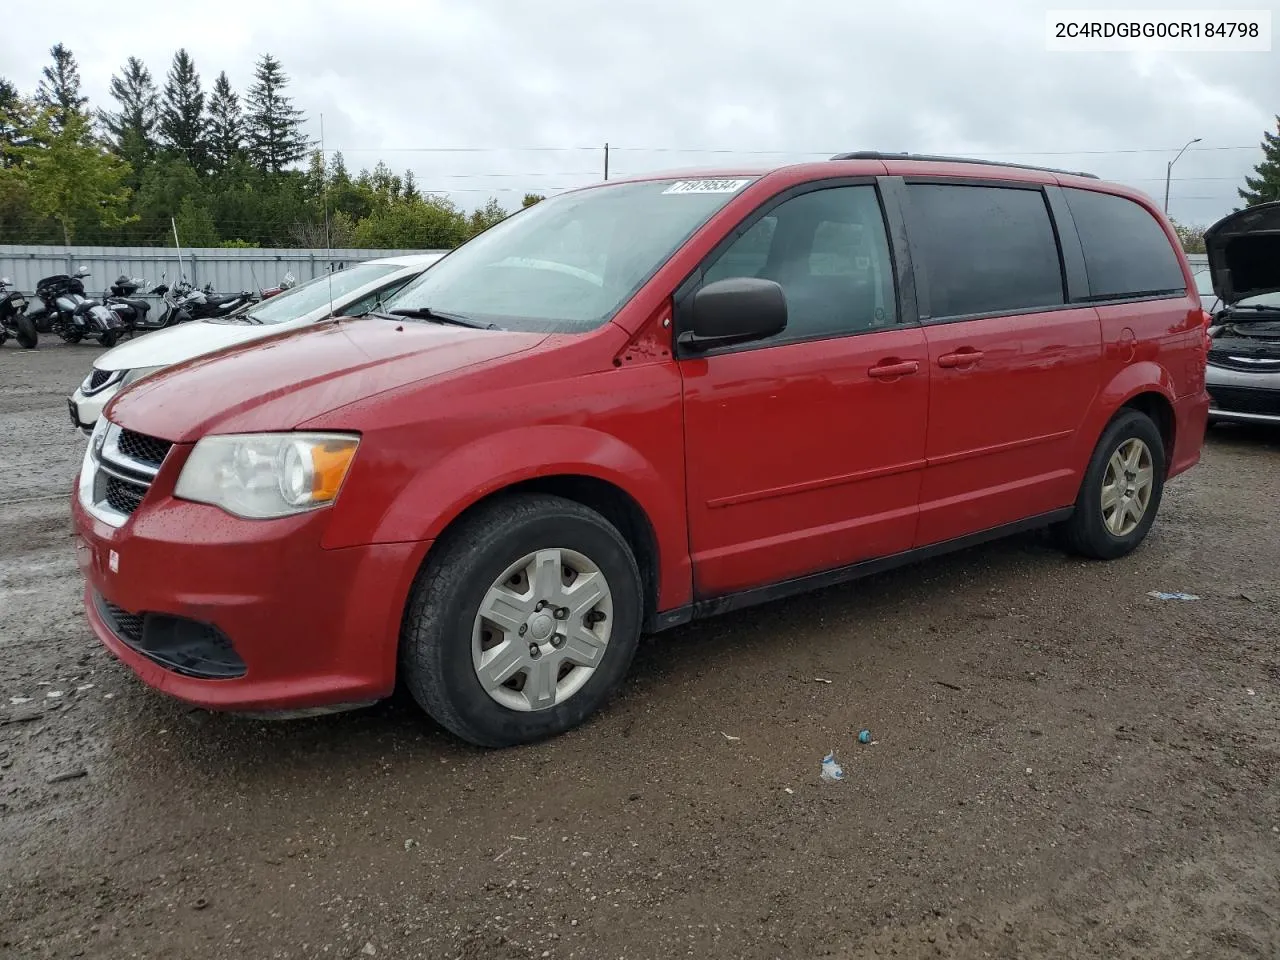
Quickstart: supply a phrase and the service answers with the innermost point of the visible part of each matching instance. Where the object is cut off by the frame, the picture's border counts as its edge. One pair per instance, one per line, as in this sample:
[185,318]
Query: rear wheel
[71,336]
[523,622]
[25,332]
[1121,491]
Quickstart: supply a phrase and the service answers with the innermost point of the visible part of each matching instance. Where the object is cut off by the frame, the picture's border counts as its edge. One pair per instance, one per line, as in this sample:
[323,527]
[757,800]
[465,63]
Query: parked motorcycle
[60,307]
[287,282]
[130,308]
[13,322]
[206,305]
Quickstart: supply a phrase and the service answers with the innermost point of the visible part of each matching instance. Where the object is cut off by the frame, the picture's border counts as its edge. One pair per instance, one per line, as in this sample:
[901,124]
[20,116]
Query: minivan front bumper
[244,615]
[1242,396]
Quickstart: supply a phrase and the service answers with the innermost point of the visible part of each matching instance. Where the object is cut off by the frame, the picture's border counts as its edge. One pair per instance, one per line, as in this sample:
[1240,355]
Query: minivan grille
[1245,399]
[123,463]
[140,447]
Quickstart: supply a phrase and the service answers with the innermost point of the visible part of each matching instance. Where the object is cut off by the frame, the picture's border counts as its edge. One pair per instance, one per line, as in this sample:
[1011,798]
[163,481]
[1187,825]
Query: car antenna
[324,191]
[178,246]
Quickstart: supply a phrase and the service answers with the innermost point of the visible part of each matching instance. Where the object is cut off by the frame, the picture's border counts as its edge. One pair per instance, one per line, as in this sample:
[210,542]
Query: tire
[26,333]
[109,339]
[1088,532]
[442,634]
[71,336]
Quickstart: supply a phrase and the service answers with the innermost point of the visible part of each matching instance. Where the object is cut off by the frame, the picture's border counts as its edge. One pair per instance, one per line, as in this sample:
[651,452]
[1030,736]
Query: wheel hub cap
[542,629]
[1127,485]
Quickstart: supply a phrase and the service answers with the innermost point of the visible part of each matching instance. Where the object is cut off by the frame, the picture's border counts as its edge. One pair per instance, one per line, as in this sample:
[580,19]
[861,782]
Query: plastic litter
[821,680]
[728,737]
[831,769]
[864,736]
[1161,595]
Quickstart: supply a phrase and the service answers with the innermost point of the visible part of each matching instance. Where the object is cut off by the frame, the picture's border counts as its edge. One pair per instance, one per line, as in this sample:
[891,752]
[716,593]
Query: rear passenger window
[829,251]
[985,249]
[1126,252]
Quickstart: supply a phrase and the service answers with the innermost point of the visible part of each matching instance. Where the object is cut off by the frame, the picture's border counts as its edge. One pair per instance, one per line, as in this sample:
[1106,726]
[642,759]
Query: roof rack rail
[878,155]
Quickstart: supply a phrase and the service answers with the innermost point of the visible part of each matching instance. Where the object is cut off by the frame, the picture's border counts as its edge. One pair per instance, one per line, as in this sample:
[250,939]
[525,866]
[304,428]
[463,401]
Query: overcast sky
[692,83]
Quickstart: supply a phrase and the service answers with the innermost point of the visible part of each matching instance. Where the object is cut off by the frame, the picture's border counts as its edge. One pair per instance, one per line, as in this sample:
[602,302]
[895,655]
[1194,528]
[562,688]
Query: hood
[1244,253]
[284,381]
[163,348]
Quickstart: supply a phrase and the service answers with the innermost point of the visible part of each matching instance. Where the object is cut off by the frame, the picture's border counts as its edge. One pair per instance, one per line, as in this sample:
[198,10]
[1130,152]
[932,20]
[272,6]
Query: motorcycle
[130,308]
[287,282]
[13,322]
[204,304]
[61,307]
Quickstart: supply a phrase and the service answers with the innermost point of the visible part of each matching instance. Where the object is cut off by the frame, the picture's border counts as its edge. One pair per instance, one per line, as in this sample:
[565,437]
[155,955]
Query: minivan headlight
[259,476]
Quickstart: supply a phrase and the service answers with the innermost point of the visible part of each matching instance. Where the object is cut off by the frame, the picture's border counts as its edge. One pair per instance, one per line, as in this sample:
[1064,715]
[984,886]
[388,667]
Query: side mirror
[735,310]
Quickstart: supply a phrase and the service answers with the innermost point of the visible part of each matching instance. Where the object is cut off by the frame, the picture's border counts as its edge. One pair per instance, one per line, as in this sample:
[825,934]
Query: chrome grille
[119,468]
[98,378]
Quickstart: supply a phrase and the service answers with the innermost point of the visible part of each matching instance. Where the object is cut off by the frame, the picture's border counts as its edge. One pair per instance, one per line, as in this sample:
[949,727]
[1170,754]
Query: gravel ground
[1063,767]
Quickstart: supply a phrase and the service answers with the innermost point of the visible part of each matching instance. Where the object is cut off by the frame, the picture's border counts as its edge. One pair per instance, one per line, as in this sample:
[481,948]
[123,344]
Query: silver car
[1243,372]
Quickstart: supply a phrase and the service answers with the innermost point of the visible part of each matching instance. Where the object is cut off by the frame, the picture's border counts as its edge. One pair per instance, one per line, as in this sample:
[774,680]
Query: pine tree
[226,134]
[131,129]
[274,123]
[1265,187]
[411,191]
[13,119]
[59,90]
[183,126]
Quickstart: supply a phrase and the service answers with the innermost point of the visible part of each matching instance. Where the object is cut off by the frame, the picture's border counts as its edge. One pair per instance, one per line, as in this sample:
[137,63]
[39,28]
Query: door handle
[892,369]
[964,357]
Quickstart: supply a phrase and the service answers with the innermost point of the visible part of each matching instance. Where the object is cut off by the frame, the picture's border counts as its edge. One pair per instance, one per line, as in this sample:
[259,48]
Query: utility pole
[606,160]
[1168,173]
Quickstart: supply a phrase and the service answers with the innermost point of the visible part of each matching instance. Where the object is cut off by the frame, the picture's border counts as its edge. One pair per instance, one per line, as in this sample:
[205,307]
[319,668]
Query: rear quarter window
[1126,251]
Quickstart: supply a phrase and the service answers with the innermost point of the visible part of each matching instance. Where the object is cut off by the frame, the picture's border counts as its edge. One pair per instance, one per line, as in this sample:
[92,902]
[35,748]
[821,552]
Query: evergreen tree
[411,191]
[14,117]
[1265,187]
[275,136]
[59,90]
[183,126]
[131,129]
[226,133]
[530,199]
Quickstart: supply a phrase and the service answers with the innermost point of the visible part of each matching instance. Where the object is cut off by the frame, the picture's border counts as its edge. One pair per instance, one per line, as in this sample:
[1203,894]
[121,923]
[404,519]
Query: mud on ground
[1063,767]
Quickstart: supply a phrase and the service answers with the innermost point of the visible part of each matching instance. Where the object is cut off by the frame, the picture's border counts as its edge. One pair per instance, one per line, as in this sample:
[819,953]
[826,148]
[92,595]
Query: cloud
[664,80]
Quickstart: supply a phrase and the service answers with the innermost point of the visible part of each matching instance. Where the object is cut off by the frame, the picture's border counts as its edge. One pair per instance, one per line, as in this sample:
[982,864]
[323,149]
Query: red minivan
[637,404]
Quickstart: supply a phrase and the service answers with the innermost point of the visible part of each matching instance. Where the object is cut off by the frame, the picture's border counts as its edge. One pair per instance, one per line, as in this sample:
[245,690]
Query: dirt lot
[1064,767]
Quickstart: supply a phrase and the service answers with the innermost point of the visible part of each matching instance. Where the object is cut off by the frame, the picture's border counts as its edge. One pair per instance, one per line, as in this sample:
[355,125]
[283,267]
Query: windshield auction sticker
[707,186]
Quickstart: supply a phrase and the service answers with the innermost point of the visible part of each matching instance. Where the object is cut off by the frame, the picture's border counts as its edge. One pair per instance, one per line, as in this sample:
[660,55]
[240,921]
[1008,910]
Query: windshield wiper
[250,318]
[437,316]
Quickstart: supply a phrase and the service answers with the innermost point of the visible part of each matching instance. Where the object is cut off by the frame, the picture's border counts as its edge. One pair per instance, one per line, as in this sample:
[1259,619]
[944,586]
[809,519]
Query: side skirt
[714,606]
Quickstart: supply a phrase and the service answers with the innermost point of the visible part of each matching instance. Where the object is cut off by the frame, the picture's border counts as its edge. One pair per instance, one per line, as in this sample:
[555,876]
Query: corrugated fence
[229,269]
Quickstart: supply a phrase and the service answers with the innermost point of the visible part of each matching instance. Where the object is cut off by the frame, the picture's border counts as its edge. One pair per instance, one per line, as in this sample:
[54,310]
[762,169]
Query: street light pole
[1168,173]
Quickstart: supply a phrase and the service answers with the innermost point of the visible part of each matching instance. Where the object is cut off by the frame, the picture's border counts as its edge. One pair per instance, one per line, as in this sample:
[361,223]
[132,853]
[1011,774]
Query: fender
[434,498]
[1143,377]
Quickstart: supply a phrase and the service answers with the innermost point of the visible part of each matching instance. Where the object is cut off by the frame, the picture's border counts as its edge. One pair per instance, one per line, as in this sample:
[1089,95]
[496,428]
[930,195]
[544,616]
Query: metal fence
[228,269]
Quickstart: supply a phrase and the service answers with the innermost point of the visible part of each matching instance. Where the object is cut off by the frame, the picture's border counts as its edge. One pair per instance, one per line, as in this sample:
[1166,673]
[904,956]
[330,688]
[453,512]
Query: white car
[352,292]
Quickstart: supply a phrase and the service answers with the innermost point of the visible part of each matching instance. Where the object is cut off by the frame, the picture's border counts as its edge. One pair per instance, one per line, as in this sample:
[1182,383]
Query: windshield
[314,294]
[569,263]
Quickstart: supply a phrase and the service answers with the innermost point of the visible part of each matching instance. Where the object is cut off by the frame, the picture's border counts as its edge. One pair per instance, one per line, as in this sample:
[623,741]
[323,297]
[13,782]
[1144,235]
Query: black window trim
[899,260]
[1065,261]
[1084,298]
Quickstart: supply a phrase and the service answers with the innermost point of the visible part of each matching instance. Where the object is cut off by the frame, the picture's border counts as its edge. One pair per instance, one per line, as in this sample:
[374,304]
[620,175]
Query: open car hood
[1244,253]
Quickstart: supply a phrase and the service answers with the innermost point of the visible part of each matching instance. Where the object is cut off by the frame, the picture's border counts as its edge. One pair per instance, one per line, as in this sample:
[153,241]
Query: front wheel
[1121,491]
[109,338]
[523,622]
[25,332]
[71,336]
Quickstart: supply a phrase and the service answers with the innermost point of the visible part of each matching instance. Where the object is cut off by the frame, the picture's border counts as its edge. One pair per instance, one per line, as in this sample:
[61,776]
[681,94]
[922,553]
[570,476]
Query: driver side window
[373,300]
[829,251]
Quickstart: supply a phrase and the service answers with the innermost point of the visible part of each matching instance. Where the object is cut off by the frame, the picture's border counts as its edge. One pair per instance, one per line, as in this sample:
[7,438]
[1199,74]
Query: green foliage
[70,176]
[59,89]
[1265,187]
[195,225]
[220,165]
[422,224]
[226,137]
[238,245]
[530,199]
[1190,236]
[183,125]
[275,133]
[131,129]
